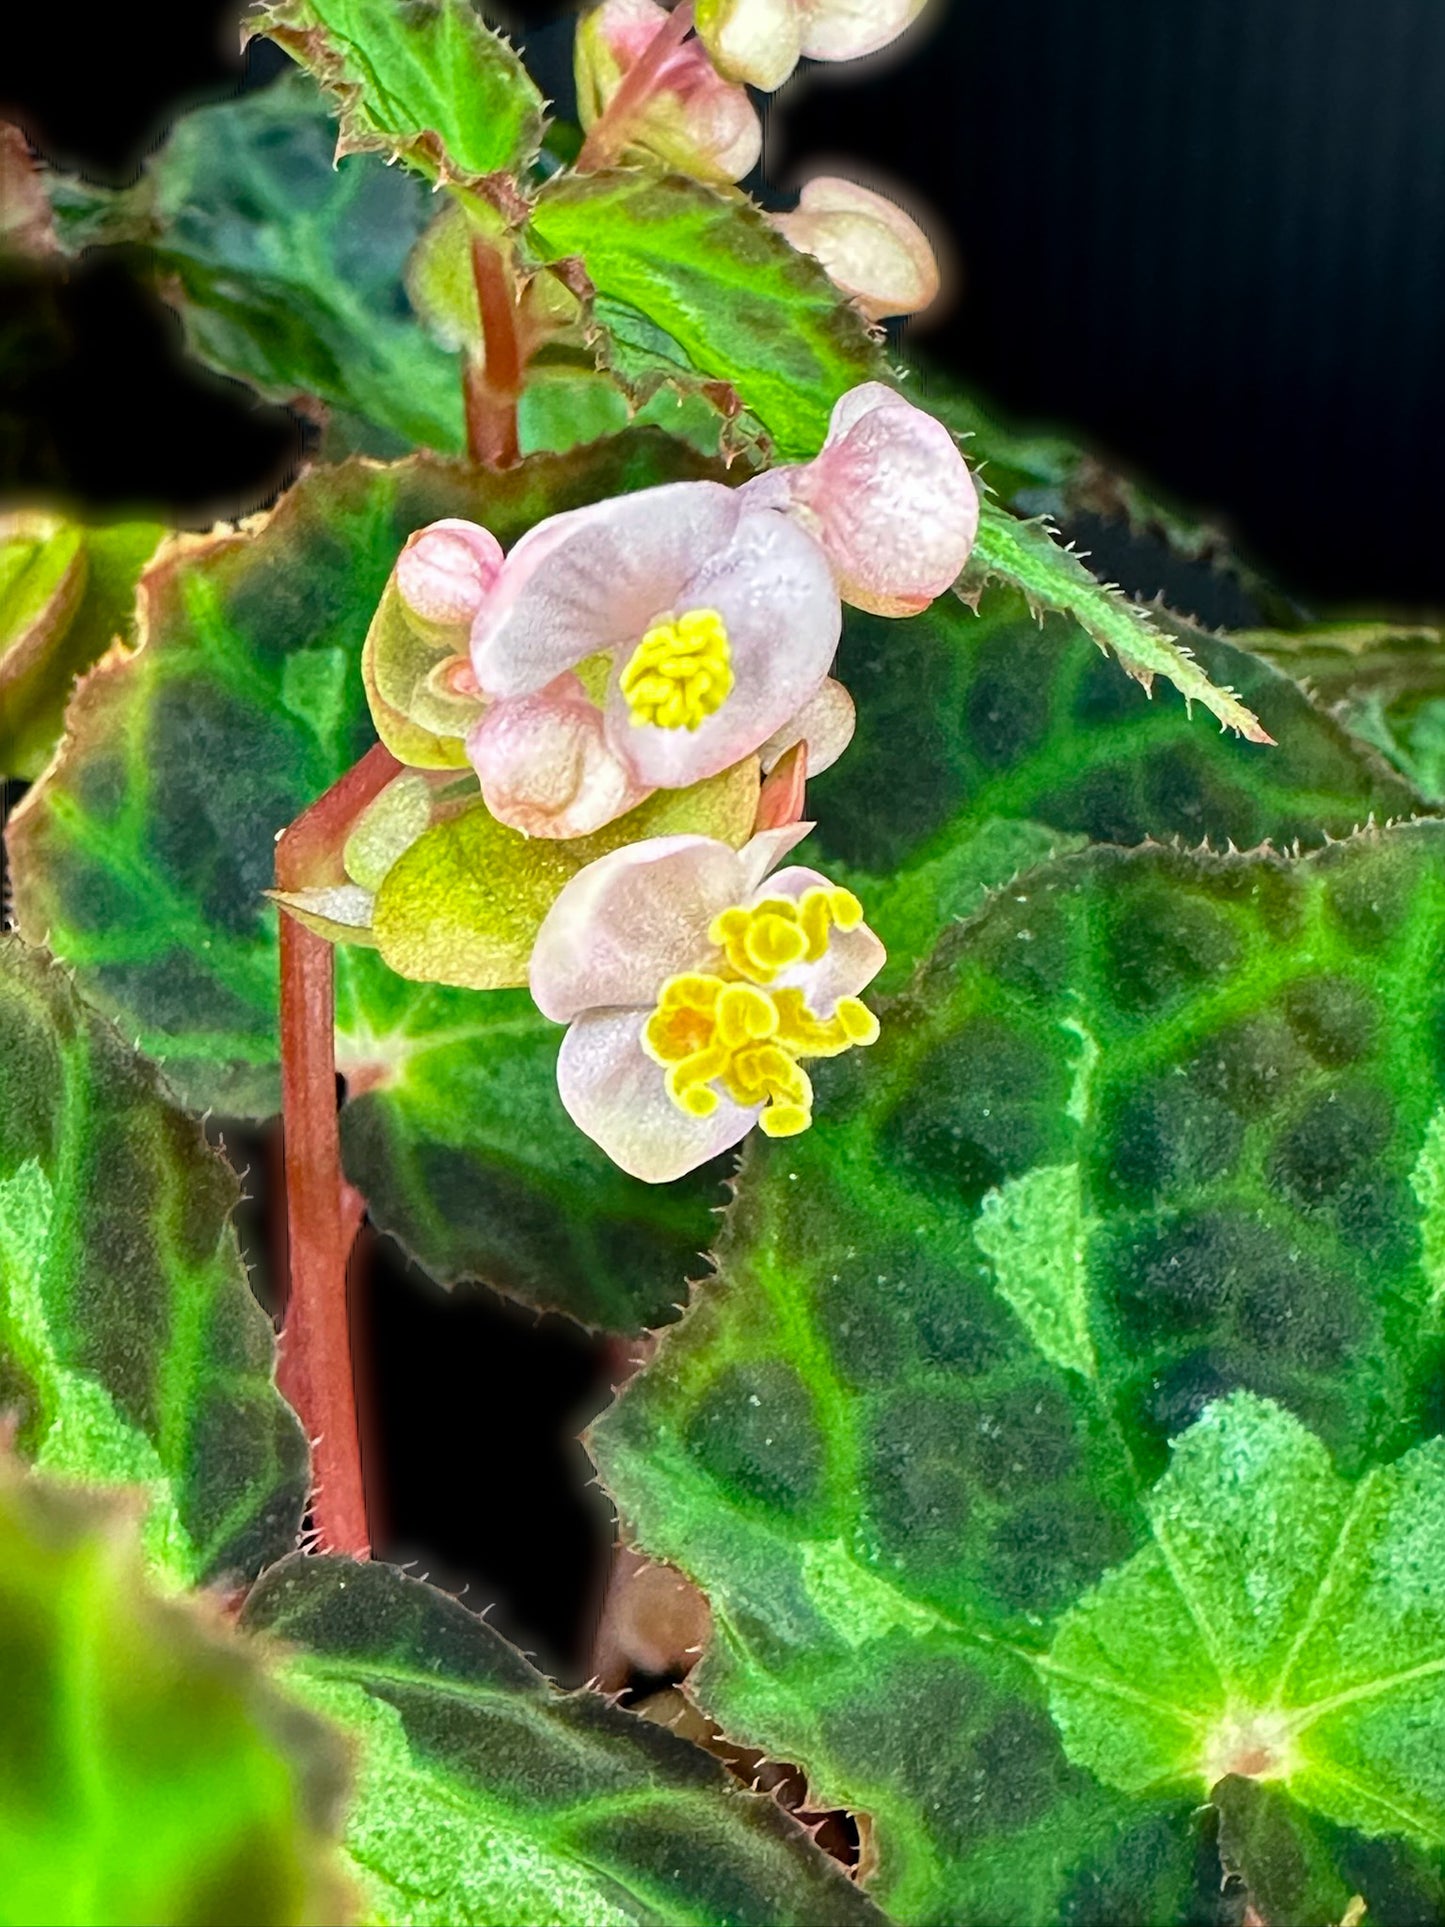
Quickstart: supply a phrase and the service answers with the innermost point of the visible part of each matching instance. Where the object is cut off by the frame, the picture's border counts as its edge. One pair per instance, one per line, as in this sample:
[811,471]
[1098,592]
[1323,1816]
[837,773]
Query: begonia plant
[973,1039]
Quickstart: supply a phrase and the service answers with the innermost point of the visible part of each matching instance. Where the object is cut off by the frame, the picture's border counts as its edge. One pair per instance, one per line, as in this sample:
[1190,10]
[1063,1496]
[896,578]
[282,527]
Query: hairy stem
[323,1212]
[492,385]
[608,134]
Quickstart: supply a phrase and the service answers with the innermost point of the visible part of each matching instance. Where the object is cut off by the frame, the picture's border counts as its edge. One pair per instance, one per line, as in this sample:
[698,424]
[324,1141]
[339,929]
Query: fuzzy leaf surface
[1028,556]
[131,1349]
[143,857]
[987,741]
[288,268]
[425,82]
[1385,684]
[66,592]
[486,1798]
[152,1770]
[704,267]
[1281,1624]
[1143,1134]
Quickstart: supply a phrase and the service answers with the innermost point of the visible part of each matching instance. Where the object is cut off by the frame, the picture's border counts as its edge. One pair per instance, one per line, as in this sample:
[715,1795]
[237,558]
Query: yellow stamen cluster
[737,1032]
[680,672]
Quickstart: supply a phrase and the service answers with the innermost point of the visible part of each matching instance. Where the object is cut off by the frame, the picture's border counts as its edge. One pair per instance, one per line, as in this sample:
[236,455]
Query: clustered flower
[648,88]
[648,643]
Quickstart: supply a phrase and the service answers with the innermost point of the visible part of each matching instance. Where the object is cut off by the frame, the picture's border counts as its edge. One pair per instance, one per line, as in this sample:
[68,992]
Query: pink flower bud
[446,570]
[759,41]
[690,118]
[870,248]
[889,498]
[545,765]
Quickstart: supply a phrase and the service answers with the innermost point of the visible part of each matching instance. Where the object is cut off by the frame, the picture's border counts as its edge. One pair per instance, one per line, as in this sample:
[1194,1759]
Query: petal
[763,852]
[632,919]
[612,1090]
[774,589]
[848,29]
[594,578]
[754,41]
[444,572]
[870,248]
[825,724]
[894,501]
[545,764]
[851,961]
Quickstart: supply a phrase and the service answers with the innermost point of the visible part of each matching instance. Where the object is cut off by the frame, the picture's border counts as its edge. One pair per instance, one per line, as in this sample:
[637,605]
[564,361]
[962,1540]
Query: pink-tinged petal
[637,916]
[825,724]
[870,248]
[446,569]
[763,852]
[783,793]
[851,961]
[848,29]
[545,764]
[612,1090]
[894,502]
[593,579]
[754,41]
[692,119]
[773,587]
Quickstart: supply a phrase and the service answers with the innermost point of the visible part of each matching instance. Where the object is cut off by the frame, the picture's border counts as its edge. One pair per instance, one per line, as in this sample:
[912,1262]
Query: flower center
[738,1033]
[680,672]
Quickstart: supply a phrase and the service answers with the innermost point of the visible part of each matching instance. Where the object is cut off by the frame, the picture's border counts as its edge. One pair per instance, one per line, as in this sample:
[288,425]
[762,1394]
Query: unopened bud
[869,247]
[754,41]
[689,118]
[446,570]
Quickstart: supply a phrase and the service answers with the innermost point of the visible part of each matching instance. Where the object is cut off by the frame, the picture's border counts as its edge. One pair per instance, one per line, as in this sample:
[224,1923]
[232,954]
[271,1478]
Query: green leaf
[151,1770]
[425,82]
[144,855]
[1385,684]
[287,268]
[131,1349]
[703,266]
[1144,1133]
[1281,1625]
[66,592]
[1029,556]
[456,1135]
[486,1798]
[987,741]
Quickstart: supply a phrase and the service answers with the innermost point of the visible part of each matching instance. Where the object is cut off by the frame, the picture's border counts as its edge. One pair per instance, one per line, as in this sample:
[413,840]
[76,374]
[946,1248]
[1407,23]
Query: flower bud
[869,247]
[446,569]
[849,29]
[755,41]
[690,119]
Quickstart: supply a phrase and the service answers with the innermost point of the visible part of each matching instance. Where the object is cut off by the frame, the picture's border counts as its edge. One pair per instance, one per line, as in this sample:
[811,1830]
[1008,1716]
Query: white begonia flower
[689,117]
[759,42]
[659,638]
[694,984]
[889,498]
[868,246]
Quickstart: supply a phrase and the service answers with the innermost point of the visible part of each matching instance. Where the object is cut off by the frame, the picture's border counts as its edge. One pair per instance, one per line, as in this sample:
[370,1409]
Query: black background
[1208,239]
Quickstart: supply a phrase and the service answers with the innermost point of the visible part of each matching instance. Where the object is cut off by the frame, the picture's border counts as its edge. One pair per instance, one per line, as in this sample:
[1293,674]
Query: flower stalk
[323,1211]
[492,383]
[608,134]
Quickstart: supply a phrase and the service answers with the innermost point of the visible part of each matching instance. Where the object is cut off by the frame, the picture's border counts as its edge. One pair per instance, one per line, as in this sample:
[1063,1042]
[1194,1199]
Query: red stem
[323,1212]
[492,385]
[608,134]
